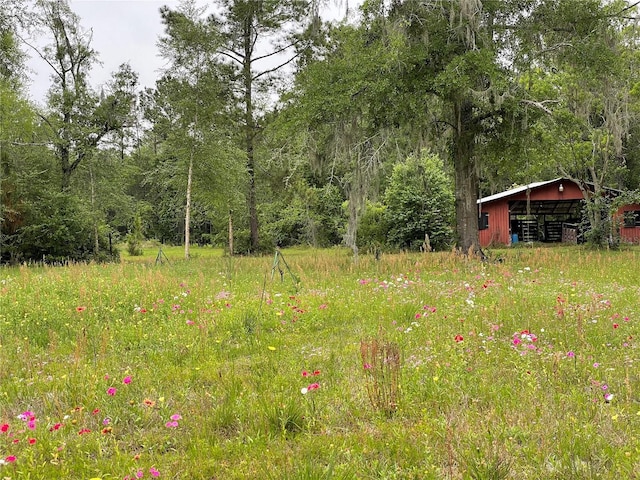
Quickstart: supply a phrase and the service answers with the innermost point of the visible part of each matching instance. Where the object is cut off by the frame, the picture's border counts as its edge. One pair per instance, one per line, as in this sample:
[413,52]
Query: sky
[125,31]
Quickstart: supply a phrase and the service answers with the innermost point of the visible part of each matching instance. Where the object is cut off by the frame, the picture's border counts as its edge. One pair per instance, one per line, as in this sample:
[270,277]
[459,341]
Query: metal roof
[513,191]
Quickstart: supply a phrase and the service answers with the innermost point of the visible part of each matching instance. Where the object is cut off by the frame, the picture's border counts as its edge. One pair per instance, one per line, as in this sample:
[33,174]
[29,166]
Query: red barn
[544,211]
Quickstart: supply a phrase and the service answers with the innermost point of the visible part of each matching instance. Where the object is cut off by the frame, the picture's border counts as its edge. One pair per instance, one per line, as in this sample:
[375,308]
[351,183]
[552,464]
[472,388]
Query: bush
[420,201]
[59,228]
[373,227]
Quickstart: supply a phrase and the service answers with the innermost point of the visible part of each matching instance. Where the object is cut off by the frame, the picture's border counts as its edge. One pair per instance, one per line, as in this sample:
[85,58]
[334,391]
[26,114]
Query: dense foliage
[373,132]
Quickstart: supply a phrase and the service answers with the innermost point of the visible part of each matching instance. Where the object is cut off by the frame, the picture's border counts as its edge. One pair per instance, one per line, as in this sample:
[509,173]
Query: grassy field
[412,367]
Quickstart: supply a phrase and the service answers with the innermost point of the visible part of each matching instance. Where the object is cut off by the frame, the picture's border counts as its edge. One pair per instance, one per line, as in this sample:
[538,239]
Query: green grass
[503,367]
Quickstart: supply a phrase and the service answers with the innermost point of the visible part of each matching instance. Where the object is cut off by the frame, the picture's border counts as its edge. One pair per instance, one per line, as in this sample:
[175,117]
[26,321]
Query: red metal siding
[570,191]
[629,234]
[498,231]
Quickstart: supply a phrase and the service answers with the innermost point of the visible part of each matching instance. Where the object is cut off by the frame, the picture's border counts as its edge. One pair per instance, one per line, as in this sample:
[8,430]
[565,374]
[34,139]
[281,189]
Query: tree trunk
[230,233]
[466,179]
[250,131]
[187,212]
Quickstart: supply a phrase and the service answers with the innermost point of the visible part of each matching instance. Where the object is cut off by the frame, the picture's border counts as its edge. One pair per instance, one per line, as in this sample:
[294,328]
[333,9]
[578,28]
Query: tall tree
[78,117]
[261,38]
[188,46]
[339,102]
[192,103]
[462,61]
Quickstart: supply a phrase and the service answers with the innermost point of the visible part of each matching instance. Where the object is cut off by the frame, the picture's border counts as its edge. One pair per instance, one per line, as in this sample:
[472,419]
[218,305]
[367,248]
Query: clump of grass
[381,365]
[284,418]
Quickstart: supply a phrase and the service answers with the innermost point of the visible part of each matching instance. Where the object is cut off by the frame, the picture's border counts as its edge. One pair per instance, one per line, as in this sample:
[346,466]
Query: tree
[20,167]
[339,103]
[12,57]
[420,201]
[188,45]
[193,90]
[78,118]
[461,64]
[247,26]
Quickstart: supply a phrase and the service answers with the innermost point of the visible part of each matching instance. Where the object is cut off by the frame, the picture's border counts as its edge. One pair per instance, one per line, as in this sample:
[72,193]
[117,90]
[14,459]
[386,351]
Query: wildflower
[367,366]
[31,424]
[313,386]
[605,387]
[596,365]
[570,354]
[95,411]
[55,427]
[32,441]
[154,472]
[149,403]
[305,373]
[26,416]
[517,341]
[304,390]
[171,424]
[4,427]
[615,325]
[106,430]
[459,338]
[106,421]
[111,391]
[10,459]
[323,306]
[176,416]
[126,380]
[139,474]
[608,397]
[83,431]
[80,309]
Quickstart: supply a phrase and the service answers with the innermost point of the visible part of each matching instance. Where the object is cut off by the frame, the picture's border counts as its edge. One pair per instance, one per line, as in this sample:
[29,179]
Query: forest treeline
[271,127]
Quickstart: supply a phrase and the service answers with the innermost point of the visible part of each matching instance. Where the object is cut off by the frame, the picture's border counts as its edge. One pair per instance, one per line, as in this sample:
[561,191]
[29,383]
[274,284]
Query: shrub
[420,201]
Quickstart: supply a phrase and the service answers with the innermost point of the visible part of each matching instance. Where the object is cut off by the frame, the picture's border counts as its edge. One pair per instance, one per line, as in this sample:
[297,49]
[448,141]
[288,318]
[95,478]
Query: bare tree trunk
[250,132]
[230,233]
[187,213]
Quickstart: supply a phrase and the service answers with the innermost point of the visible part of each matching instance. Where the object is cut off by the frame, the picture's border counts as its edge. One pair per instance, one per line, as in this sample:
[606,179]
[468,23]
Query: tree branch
[540,105]
[228,55]
[276,52]
[271,70]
